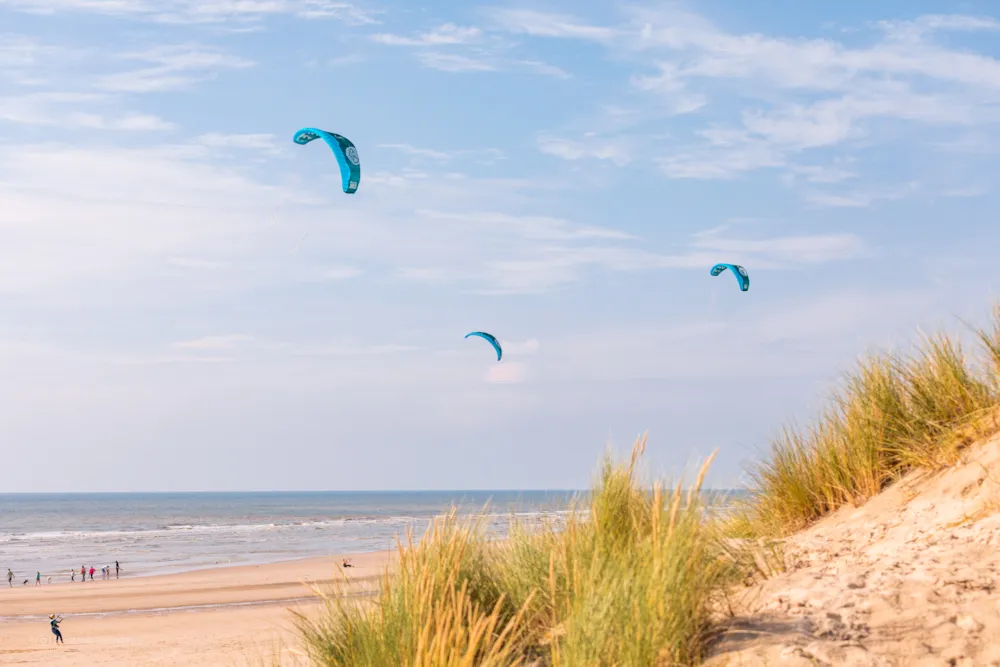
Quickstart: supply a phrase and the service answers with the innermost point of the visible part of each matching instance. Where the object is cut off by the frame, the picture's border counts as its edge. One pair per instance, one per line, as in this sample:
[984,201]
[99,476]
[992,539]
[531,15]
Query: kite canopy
[490,339]
[741,274]
[343,149]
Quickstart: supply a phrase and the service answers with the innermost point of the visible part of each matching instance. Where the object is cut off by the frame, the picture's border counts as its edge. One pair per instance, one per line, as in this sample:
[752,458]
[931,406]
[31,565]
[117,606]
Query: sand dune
[171,619]
[910,578]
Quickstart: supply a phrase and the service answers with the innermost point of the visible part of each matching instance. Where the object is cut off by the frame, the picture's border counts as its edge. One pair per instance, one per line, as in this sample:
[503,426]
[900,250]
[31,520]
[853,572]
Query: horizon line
[317,491]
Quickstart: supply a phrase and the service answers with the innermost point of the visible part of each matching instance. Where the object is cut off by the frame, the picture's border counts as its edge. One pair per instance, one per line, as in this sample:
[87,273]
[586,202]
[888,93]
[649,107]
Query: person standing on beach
[38,578]
[54,622]
[83,573]
[91,572]
[72,575]
[116,569]
[10,578]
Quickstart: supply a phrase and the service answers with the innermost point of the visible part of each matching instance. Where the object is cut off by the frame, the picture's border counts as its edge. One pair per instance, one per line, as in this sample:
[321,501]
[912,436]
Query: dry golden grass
[632,582]
[892,415]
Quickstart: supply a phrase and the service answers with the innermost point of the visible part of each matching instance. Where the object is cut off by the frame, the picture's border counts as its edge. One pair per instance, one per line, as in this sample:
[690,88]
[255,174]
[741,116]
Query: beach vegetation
[630,577]
[894,413]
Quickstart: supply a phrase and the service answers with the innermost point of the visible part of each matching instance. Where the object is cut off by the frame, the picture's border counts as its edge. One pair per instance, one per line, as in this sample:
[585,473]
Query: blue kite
[490,339]
[741,274]
[343,149]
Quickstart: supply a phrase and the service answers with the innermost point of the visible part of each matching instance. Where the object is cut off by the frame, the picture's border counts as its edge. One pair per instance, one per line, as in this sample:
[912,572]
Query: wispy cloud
[533,227]
[21,57]
[428,153]
[938,22]
[859,198]
[76,111]
[977,190]
[174,67]
[482,155]
[264,143]
[613,150]
[142,122]
[541,68]
[454,62]
[820,173]
[446,34]
[534,254]
[352,349]
[781,252]
[808,94]
[453,48]
[544,24]
[201,11]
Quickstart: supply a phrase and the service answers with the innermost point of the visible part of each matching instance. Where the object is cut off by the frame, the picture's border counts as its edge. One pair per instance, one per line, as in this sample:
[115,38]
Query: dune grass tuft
[895,413]
[630,579]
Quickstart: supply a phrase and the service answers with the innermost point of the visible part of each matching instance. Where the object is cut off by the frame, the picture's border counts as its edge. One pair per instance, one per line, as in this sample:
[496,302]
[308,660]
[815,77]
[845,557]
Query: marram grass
[630,582]
[893,414]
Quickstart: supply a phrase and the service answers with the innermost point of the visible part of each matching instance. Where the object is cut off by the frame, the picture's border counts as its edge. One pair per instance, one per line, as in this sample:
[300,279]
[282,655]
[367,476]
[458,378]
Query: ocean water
[157,533]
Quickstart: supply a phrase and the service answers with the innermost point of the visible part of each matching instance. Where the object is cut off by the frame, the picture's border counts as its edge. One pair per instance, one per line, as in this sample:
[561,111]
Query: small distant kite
[741,274]
[490,339]
[343,149]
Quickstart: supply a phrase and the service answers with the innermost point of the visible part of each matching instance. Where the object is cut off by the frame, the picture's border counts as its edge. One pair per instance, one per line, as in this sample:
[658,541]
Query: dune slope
[912,577]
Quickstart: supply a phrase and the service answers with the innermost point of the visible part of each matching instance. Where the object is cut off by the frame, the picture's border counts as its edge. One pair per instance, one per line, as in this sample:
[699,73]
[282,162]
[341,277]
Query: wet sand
[218,617]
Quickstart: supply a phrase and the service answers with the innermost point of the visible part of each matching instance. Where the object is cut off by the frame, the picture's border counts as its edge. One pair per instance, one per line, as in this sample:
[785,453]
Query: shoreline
[208,617]
[222,586]
[166,572]
[157,611]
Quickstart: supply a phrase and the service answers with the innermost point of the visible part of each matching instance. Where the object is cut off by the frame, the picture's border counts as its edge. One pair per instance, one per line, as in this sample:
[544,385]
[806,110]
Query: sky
[188,300]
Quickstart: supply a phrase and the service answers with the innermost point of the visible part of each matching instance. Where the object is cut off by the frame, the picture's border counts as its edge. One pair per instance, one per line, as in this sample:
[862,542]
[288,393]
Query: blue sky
[190,302]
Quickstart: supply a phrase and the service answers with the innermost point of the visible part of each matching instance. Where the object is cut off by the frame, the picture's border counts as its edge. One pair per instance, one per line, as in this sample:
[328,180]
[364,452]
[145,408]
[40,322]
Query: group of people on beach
[105,574]
[55,620]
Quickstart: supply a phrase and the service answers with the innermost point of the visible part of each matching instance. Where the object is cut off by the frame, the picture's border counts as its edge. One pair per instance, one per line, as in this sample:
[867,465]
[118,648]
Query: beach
[206,578]
[211,617]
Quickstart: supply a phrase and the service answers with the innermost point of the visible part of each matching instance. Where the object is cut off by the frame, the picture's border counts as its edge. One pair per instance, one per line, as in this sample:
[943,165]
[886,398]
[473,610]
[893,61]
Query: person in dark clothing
[116,569]
[54,622]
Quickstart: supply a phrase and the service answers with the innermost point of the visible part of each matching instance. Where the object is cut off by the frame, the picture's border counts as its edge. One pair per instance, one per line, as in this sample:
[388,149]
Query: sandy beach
[217,617]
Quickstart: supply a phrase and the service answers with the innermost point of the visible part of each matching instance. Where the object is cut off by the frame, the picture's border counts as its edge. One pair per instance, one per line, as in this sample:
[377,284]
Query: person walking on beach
[10,578]
[116,569]
[54,622]
[83,573]
[72,575]
[91,572]
[38,578]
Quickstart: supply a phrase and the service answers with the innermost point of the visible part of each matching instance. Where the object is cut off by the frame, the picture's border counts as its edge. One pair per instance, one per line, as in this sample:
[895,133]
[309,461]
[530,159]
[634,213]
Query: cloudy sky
[188,300]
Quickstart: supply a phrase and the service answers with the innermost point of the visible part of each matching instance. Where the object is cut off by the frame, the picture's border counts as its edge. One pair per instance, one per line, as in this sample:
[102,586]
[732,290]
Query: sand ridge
[910,578]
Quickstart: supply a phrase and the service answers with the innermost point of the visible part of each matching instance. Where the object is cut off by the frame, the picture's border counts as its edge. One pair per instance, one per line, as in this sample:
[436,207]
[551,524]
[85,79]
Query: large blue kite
[343,149]
[741,274]
[490,339]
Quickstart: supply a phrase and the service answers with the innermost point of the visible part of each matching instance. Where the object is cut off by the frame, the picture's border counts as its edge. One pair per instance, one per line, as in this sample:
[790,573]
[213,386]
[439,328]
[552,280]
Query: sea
[159,533]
